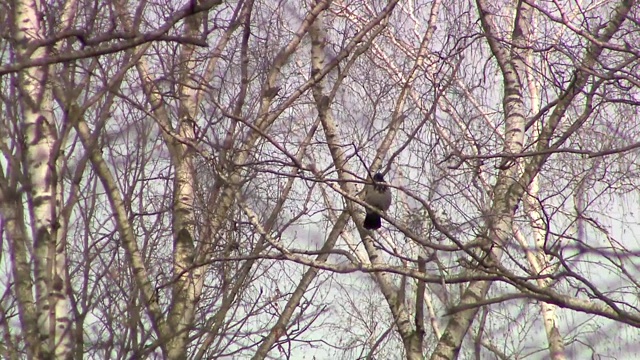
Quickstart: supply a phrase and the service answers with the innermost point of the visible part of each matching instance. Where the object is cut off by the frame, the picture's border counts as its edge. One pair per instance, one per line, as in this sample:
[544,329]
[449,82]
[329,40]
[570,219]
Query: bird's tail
[372,221]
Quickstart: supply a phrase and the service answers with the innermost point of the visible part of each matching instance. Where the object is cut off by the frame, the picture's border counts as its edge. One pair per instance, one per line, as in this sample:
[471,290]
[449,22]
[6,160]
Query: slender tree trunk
[41,153]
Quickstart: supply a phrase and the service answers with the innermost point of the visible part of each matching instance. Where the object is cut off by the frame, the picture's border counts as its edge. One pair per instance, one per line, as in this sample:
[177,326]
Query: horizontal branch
[590,154]
[133,41]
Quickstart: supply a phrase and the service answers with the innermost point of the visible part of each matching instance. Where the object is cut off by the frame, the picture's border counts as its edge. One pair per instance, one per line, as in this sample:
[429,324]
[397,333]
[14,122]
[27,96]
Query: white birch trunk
[52,304]
[188,285]
[504,201]
[540,261]
[509,189]
[411,338]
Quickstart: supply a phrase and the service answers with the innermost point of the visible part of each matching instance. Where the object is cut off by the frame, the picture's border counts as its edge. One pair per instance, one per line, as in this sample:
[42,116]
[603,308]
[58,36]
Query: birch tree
[45,318]
[182,180]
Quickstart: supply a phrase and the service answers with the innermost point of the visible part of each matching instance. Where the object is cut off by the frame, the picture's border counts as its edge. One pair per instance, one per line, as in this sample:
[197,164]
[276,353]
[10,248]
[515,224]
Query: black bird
[377,195]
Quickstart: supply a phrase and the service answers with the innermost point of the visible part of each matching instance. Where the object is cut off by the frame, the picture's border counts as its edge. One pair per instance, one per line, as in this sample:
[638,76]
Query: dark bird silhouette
[378,195]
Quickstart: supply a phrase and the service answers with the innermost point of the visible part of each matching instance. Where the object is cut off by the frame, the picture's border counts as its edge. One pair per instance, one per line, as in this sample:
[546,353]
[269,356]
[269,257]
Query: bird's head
[378,177]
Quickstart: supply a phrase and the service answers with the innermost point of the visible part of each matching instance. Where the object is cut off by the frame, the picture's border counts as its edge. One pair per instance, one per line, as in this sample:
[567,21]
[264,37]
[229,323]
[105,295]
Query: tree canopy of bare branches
[183,180]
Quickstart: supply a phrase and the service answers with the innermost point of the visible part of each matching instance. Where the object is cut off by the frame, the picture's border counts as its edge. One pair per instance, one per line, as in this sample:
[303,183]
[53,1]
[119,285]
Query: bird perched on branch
[378,195]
